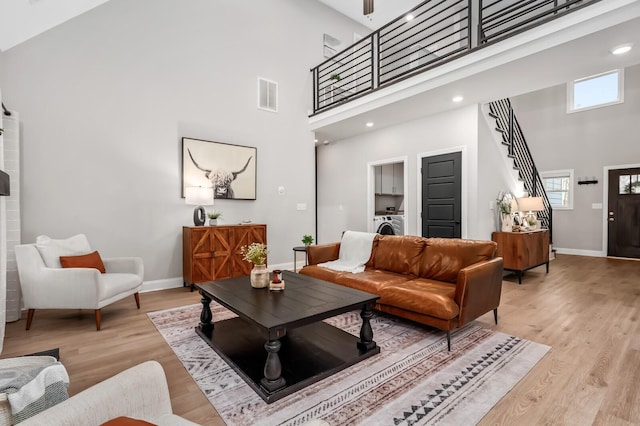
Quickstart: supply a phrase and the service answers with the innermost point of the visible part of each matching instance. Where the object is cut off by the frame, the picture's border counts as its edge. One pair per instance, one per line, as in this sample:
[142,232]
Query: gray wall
[106,98]
[342,171]
[587,142]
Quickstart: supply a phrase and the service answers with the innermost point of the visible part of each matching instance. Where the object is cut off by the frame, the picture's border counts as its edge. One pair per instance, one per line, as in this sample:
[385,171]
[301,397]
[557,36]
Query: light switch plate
[596,206]
[301,206]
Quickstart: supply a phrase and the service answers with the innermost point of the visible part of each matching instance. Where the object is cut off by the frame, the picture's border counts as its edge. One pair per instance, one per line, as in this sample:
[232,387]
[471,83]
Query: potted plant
[307,240]
[504,204]
[256,253]
[336,77]
[213,217]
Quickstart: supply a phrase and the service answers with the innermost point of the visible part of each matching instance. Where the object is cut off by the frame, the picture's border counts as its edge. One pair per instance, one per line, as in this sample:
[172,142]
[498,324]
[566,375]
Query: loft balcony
[407,61]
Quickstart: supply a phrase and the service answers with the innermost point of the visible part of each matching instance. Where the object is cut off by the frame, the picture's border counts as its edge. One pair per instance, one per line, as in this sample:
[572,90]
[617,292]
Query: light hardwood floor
[586,309]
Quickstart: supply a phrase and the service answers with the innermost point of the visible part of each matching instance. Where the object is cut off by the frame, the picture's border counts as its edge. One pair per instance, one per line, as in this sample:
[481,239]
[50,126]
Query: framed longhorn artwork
[229,169]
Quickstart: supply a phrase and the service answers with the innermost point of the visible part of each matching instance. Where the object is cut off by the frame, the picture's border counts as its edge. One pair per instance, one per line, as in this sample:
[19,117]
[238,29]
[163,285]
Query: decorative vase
[213,222]
[259,276]
[507,223]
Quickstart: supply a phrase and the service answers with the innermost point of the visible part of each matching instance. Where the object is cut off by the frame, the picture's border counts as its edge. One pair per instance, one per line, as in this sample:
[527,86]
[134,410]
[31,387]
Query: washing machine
[397,223]
[383,225]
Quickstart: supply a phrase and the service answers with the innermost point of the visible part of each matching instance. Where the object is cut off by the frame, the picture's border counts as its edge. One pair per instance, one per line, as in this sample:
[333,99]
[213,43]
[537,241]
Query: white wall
[342,171]
[105,99]
[585,141]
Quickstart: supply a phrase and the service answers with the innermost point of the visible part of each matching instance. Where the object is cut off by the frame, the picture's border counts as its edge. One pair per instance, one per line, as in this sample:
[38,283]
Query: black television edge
[4,183]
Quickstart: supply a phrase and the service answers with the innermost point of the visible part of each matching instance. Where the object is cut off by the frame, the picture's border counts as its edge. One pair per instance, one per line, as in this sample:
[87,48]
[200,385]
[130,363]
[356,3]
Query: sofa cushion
[51,249]
[117,283]
[91,260]
[444,257]
[371,280]
[399,253]
[423,296]
[321,273]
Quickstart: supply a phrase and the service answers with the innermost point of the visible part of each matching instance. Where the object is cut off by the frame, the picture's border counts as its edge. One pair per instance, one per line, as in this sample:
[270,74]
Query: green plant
[214,215]
[307,239]
[336,77]
[255,253]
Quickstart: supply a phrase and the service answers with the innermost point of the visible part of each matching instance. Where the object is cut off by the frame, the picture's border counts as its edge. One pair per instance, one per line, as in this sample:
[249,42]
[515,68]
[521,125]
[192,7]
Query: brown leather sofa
[441,282]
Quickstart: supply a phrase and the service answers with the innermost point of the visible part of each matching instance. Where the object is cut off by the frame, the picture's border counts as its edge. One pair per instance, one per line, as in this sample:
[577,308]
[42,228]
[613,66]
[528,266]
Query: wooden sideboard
[523,250]
[212,253]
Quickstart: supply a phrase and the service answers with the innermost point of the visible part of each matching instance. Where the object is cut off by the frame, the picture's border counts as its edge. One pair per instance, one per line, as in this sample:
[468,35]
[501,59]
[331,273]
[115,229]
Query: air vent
[267,95]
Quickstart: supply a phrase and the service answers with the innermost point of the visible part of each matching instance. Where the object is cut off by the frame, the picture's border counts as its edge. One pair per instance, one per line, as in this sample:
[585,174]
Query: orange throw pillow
[91,260]
[126,421]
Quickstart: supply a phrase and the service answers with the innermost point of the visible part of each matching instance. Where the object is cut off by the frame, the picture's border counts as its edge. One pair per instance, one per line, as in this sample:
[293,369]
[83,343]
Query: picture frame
[230,169]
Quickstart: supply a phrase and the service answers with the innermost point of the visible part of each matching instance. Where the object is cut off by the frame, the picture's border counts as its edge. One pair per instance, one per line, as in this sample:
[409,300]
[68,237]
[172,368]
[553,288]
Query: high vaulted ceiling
[21,20]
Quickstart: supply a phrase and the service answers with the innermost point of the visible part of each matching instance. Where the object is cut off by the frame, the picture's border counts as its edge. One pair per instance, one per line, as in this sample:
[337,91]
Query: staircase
[517,149]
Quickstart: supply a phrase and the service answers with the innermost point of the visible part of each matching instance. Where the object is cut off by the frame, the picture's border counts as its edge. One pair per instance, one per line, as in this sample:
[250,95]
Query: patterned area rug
[413,381]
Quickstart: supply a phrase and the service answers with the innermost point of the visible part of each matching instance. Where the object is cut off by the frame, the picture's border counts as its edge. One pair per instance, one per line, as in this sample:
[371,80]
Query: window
[595,91]
[267,95]
[559,187]
[629,184]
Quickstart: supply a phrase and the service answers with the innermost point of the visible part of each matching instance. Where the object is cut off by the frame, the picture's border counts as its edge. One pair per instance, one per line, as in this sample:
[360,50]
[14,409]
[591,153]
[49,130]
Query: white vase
[213,222]
[507,223]
[259,276]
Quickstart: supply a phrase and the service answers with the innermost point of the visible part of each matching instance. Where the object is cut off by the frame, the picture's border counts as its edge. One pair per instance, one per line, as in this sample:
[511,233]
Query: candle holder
[276,283]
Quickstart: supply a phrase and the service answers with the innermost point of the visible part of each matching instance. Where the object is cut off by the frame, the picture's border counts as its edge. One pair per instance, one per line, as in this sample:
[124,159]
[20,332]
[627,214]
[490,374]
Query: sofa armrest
[127,265]
[140,392]
[322,253]
[478,289]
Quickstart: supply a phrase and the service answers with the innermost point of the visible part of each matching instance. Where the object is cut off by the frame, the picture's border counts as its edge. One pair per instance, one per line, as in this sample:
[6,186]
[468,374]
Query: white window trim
[570,89]
[562,173]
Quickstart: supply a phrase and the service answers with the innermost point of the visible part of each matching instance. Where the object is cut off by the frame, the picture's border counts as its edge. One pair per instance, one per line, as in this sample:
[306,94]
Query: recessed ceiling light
[369,124]
[623,48]
[409,17]
[457,99]
[315,140]
[326,142]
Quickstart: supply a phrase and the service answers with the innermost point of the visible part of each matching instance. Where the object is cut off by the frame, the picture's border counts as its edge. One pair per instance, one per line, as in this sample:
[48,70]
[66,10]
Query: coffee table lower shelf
[307,354]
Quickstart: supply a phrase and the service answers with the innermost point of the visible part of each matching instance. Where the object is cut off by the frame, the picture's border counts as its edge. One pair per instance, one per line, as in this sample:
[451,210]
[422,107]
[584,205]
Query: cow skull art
[221,179]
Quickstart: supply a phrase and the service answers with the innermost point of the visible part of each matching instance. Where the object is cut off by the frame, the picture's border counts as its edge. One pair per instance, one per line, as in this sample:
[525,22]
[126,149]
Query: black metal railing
[439,31]
[518,150]
[500,19]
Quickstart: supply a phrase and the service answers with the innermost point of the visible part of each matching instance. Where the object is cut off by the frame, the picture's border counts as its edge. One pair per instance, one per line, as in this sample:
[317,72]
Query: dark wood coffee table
[278,343]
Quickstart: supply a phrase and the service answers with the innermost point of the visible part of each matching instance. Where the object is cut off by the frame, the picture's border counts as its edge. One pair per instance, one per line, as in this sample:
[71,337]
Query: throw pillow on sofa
[91,260]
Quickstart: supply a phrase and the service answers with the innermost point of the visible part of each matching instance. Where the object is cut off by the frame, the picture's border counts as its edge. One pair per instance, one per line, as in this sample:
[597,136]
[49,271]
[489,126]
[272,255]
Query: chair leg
[30,317]
[137,296]
[495,315]
[97,319]
[449,341]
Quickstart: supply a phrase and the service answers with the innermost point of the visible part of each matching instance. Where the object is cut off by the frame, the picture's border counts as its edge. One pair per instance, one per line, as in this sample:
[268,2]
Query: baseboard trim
[163,284]
[168,283]
[578,252]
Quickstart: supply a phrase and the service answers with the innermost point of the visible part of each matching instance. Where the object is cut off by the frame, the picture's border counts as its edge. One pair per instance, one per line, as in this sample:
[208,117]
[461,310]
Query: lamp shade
[198,196]
[530,204]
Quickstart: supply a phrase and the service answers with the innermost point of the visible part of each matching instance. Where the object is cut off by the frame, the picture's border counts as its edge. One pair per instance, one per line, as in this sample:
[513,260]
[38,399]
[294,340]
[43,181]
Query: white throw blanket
[355,250]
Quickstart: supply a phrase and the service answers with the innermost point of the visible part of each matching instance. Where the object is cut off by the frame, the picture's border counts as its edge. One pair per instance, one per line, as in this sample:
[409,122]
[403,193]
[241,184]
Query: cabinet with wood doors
[212,253]
[523,250]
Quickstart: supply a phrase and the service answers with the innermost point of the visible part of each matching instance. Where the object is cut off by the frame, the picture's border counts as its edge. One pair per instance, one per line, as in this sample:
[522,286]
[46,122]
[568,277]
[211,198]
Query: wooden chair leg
[30,317]
[495,315]
[98,319]
[449,341]
[137,296]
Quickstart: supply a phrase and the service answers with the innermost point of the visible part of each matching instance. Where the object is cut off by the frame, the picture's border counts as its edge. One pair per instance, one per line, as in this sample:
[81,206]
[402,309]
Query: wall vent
[267,95]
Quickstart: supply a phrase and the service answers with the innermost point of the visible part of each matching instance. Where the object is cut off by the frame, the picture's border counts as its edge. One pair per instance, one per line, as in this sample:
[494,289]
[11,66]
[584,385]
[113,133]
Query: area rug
[413,381]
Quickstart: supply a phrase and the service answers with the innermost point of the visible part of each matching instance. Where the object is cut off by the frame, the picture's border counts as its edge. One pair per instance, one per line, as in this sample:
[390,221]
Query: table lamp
[531,205]
[198,196]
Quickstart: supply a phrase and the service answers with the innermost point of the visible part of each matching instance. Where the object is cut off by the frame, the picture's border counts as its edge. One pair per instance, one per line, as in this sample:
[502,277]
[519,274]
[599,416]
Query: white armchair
[46,285]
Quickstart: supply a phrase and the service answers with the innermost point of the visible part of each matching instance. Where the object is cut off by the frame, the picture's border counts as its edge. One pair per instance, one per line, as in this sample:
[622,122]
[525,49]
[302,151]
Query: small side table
[295,257]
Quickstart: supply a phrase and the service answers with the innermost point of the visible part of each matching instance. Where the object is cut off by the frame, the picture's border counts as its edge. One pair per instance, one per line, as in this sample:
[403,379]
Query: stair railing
[518,150]
[425,37]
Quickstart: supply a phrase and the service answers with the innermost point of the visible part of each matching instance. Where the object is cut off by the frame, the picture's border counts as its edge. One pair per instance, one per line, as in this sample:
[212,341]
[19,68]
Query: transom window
[595,91]
[559,187]
[629,184]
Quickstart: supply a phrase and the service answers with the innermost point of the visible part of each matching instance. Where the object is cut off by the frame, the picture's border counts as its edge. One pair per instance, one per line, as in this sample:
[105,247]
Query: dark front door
[441,195]
[624,213]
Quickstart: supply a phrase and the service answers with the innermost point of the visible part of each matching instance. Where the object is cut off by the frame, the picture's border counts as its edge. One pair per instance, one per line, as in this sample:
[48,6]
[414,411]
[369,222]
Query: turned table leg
[206,318]
[366,342]
[272,380]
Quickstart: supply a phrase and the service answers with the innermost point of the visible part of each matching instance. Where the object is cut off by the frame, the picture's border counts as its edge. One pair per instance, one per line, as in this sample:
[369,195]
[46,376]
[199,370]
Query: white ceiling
[383,10]
[21,20]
